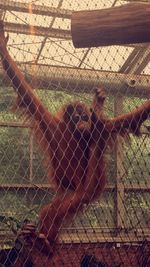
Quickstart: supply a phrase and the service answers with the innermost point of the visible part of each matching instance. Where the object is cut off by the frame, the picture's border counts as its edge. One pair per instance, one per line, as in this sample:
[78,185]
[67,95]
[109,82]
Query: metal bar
[84,80]
[137,60]
[45,39]
[37,30]
[31,156]
[14,124]
[110,188]
[120,208]
[36,9]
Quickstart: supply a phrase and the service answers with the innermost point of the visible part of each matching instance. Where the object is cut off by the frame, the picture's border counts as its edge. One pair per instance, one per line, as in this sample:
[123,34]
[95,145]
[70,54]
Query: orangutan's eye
[84,117]
[76,118]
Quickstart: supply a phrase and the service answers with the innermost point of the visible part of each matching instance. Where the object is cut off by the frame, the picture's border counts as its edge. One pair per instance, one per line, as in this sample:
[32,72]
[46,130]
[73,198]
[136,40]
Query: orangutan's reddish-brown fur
[74,143]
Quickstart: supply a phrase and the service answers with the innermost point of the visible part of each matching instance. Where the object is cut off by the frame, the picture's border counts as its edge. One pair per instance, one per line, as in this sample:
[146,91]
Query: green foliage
[7,100]
[14,155]
[137,160]
[137,207]
[14,212]
[17,206]
[98,214]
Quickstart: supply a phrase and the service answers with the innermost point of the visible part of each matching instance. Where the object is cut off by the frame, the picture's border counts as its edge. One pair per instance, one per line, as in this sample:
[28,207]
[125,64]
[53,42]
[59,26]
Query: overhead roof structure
[40,34]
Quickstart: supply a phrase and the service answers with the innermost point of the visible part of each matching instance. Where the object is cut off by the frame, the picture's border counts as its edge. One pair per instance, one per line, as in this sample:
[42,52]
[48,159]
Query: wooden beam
[83,80]
[35,9]
[112,26]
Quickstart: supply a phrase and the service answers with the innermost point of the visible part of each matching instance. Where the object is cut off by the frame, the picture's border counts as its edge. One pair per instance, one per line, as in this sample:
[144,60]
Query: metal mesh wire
[114,230]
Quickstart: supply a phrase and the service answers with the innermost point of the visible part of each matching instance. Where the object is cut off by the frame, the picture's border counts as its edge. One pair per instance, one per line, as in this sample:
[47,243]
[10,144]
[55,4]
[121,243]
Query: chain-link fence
[66,165]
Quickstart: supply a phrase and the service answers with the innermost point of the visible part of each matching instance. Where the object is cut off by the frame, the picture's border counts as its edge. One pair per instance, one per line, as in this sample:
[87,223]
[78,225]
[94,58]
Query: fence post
[120,209]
